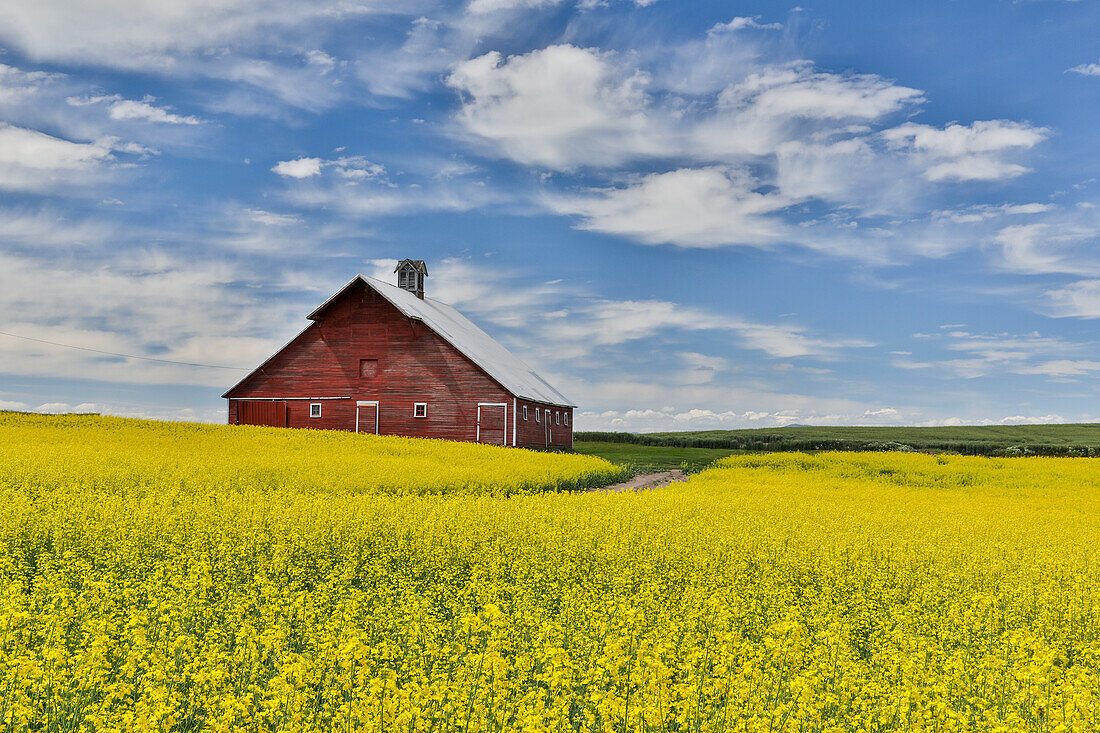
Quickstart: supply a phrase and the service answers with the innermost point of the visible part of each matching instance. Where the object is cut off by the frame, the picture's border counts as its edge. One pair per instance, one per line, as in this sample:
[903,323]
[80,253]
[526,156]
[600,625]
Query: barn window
[567,419]
[420,409]
[525,412]
[368,368]
[402,278]
[557,418]
[538,417]
[315,409]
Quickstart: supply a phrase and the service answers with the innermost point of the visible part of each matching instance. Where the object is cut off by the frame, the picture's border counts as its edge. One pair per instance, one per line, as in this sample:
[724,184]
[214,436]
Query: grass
[1072,439]
[652,458]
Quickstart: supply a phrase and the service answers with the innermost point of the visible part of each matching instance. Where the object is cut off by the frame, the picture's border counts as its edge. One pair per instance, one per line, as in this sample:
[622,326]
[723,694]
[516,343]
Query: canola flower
[92,453]
[837,592]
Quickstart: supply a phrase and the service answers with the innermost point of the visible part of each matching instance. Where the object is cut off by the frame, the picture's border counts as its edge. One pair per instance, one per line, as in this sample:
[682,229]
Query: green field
[650,458]
[1073,439]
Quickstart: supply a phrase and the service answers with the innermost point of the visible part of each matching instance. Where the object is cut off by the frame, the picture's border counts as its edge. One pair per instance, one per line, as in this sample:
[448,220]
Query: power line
[125,356]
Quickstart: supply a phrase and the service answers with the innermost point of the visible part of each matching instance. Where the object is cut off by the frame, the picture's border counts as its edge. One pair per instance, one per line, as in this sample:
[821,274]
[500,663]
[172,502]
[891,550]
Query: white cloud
[322,60]
[488,7]
[998,354]
[560,107]
[271,219]
[298,168]
[705,207]
[351,167]
[120,108]
[371,198]
[807,412]
[1061,368]
[794,91]
[1076,300]
[129,109]
[16,84]
[701,368]
[957,140]
[153,304]
[186,414]
[356,167]
[49,227]
[742,22]
[430,48]
[596,323]
[1062,242]
[558,325]
[706,407]
[483,7]
[359,188]
[1086,69]
[967,152]
[63,107]
[34,161]
[704,114]
[985,212]
[149,33]
[1023,250]
[563,107]
[212,38]
[974,168]
[847,171]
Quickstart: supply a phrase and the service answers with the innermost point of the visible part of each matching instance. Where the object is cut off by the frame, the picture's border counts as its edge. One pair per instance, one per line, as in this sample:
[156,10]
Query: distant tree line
[772,442]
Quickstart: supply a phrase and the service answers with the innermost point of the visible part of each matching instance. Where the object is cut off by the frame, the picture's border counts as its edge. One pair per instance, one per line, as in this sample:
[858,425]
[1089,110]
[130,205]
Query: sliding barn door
[257,412]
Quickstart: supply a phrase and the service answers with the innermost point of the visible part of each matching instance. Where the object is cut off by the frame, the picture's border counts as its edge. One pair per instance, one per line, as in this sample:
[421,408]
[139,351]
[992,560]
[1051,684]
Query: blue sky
[685,215]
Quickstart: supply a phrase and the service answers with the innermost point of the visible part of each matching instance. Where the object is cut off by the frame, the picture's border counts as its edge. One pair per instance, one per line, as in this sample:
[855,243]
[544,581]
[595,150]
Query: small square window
[368,368]
[420,409]
[525,412]
[315,409]
[538,417]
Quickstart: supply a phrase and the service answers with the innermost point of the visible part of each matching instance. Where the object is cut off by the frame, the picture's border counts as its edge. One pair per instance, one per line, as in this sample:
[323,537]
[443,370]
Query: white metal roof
[478,346]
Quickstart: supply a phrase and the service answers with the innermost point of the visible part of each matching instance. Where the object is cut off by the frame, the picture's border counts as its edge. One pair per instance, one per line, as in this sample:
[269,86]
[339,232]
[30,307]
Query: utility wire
[125,356]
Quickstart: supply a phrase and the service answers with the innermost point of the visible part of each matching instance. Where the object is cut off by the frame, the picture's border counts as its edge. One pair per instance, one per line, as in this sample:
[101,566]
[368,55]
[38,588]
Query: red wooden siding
[262,413]
[532,434]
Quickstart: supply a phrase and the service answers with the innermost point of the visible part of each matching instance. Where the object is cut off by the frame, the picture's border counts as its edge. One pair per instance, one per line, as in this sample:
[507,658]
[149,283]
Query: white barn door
[492,423]
[366,416]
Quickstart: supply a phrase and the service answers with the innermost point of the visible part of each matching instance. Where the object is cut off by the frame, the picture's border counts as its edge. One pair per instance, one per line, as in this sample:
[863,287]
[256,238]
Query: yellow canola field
[837,592]
[86,452]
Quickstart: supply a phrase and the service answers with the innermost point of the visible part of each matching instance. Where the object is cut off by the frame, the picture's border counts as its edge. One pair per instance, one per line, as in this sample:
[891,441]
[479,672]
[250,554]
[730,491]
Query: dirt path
[646,481]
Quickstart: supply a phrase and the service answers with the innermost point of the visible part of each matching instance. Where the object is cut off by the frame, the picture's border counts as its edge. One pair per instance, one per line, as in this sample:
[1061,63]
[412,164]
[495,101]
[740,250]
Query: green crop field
[1073,439]
[649,458]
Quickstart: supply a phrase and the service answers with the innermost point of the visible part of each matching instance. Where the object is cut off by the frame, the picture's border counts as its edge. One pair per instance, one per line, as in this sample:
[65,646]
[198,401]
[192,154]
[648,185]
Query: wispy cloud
[1000,354]
[120,108]
[1086,69]
[34,161]
[700,207]
[972,152]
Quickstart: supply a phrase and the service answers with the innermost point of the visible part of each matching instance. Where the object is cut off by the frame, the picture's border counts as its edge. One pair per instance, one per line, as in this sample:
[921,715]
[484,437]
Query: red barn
[379,358]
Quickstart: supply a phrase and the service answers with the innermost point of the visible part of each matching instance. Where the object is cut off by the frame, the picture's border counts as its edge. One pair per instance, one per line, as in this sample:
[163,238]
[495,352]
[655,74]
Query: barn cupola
[410,276]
